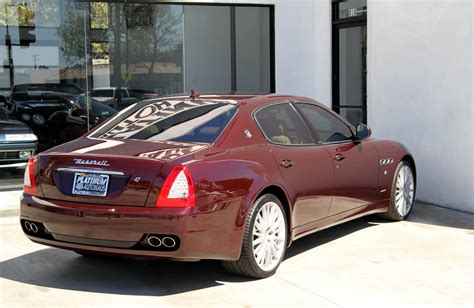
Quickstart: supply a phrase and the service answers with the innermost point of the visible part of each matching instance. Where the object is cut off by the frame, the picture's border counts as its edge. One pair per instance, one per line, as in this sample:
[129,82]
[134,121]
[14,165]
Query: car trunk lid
[120,173]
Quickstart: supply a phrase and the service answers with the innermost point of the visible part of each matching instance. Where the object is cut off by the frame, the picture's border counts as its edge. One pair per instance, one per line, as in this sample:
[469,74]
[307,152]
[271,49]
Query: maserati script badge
[80,161]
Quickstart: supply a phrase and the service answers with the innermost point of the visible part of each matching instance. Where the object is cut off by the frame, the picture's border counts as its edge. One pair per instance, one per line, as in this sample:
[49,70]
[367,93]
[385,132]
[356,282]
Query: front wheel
[403,193]
[264,241]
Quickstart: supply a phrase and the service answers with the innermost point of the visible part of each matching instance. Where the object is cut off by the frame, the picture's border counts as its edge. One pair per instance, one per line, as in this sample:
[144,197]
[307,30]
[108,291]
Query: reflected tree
[146,32]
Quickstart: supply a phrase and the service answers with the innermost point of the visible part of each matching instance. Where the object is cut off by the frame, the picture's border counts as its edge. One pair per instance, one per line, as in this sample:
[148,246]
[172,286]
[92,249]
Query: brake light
[29,183]
[178,189]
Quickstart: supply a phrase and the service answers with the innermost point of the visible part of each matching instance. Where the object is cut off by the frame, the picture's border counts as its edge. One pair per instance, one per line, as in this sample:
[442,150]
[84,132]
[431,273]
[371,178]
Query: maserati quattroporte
[235,178]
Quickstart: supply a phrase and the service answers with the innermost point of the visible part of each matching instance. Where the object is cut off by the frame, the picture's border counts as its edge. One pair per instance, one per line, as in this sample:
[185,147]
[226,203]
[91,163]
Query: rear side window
[281,124]
[326,127]
[181,121]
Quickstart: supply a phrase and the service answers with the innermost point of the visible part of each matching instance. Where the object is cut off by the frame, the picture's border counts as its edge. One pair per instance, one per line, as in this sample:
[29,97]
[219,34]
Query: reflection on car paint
[170,154]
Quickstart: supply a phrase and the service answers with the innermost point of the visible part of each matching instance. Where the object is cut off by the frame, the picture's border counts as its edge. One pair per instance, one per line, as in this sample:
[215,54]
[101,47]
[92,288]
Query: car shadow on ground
[61,269]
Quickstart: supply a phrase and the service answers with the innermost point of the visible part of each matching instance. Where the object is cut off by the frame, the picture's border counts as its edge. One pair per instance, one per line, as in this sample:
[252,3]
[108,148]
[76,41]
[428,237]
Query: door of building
[349,43]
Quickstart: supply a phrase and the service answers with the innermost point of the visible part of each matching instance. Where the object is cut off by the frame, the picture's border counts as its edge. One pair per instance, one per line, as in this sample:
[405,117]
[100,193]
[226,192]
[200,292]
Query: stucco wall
[303,48]
[420,91]
[419,81]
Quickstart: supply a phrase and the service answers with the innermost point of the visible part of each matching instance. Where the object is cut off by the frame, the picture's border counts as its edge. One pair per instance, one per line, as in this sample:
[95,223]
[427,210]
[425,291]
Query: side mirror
[362,131]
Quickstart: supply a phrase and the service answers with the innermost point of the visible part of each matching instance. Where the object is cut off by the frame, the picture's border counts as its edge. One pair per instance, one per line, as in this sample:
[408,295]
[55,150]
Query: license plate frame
[90,184]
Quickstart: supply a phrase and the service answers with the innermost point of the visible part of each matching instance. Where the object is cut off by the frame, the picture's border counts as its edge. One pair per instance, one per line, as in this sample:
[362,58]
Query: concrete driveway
[427,260]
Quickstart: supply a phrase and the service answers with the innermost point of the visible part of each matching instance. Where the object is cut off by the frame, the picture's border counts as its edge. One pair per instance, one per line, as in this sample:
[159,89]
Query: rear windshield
[182,121]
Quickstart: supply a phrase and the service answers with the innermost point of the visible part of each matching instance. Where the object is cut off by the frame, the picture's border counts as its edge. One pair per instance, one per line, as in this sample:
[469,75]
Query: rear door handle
[286,163]
[339,157]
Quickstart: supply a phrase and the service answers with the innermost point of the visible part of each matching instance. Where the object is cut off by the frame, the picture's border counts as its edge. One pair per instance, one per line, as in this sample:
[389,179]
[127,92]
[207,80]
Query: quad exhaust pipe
[31,227]
[154,241]
[166,241]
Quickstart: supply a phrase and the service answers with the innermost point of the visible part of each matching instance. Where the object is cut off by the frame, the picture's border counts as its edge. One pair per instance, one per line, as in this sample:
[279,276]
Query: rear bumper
[202,234]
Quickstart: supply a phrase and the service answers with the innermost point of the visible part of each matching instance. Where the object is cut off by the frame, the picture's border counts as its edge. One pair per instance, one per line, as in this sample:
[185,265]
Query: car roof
[255,99]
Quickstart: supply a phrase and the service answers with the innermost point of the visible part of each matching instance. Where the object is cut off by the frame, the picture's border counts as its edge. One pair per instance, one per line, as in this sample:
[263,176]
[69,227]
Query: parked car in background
[28,91]
[17,141]
[56,117]
[120,99]
[113,97]
[233,178]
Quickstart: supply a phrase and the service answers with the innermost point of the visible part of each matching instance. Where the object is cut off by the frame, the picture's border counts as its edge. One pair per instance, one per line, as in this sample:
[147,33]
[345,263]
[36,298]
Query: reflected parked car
[111,96]
[234,178]
[17,141]
[56,117]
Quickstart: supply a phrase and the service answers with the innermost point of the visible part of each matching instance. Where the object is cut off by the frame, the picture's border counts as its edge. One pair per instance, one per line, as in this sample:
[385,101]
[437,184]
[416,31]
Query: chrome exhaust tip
[168,242]
[34,227]
[27,226]
[154,241]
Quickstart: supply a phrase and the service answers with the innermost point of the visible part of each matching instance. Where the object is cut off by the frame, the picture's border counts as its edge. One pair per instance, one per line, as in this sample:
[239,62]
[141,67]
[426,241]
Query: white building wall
[303,48]
[420,64]
[420,91]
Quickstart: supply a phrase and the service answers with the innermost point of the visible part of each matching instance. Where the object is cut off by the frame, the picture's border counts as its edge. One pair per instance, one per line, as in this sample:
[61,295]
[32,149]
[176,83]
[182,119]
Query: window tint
[326,127]
[281,124]
[183,121]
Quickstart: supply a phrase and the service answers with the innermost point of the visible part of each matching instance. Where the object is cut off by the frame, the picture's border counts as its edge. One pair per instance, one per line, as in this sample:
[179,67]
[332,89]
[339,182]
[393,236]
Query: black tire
[246,265]
[392,213]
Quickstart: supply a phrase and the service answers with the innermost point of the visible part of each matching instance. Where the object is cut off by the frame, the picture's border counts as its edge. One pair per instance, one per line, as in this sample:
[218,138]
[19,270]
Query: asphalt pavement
[427,260]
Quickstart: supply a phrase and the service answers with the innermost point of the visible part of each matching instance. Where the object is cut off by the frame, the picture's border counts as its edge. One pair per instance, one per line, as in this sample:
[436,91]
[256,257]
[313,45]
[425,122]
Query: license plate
[90,184]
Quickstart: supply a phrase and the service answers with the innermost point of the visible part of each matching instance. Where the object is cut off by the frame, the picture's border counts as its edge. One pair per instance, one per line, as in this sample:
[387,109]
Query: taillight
[29,183]
[178,189]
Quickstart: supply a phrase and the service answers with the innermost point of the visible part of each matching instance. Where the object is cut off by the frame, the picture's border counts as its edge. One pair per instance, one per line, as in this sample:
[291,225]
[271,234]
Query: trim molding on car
[90,171]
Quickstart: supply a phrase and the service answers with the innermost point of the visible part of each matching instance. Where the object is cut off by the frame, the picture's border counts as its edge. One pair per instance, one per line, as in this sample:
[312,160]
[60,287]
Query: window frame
[336,115]
[308,129]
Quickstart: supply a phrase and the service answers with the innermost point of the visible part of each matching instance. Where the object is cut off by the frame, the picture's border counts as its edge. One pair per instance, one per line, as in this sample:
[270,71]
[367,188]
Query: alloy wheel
[405,190]
[268,236]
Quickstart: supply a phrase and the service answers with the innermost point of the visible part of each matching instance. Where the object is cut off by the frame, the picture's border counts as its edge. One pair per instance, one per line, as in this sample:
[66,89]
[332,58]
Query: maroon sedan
[233,178]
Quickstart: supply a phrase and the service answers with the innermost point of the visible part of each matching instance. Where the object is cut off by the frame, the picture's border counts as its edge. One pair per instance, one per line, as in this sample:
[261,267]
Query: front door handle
[286,163]
[339,157]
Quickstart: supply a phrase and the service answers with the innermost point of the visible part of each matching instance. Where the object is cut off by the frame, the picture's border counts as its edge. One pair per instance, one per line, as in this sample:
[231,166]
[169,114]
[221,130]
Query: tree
[146,31]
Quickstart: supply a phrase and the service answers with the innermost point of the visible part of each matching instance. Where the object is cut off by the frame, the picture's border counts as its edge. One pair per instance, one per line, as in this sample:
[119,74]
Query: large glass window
[350,59]
[120,52]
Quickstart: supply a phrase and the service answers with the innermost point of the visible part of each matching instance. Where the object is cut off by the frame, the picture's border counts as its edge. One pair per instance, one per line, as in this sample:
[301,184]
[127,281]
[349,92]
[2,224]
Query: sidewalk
[424,261]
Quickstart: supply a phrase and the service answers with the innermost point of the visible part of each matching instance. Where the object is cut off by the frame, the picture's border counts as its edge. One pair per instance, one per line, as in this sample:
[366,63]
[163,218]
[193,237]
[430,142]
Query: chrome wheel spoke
[404,191]
[268,236]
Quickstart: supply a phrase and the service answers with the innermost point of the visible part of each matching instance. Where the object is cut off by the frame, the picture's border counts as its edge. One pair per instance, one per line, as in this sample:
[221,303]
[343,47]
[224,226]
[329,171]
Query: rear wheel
[264,241]
[403,193]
